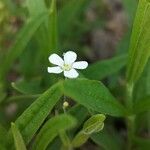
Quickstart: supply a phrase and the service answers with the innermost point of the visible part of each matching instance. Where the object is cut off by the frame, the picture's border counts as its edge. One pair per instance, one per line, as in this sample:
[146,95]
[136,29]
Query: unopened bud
[65,104]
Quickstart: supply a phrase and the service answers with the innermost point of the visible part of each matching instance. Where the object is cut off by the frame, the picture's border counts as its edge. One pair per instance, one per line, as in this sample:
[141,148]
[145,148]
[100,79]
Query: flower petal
[56,70]
[70,57]
[71,74]
[80,65]
[56,60]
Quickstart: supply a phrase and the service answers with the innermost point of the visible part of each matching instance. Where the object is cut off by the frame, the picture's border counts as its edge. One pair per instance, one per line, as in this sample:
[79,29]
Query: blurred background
[95,29]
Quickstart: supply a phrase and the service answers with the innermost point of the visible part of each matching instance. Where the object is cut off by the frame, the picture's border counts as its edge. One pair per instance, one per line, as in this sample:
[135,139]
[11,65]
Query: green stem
[130,119]
[65,140]
[63,135]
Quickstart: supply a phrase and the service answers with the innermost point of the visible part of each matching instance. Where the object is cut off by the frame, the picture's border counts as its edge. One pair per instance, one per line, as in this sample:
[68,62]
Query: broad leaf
[93,95]
[105,68]
[139,50]
[51,129]
[18,140]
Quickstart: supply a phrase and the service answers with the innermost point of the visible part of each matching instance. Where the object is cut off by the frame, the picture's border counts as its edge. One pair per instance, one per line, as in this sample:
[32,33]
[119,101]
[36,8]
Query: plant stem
[63,134]
[130,119]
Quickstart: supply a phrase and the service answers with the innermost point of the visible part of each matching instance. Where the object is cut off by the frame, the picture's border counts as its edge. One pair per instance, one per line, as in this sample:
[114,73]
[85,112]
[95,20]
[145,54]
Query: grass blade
[21,42]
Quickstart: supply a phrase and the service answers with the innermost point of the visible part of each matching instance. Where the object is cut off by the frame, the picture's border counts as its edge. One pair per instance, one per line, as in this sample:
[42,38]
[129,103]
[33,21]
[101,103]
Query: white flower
[66,65]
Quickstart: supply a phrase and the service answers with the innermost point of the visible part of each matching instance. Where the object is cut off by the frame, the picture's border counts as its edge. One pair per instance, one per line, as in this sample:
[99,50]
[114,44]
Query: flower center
[67,67]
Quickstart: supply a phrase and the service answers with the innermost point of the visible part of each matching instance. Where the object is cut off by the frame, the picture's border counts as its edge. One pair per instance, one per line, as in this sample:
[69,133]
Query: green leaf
[27,87]
[142,87]
[80,139]
[3,133]
[107,140]
[21,41]
[105,68]
[93,95]
[142,144]
[94,124]
[51,129]
[69,13]
[139,50]
[32,118]
[2,147]
[130,7]
[19,143]
[76,112]
[142,105]
[53,26]
[36,7]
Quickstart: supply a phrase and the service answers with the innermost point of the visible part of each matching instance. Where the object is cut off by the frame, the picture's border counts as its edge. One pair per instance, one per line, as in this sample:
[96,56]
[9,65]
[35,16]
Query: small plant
[43,109]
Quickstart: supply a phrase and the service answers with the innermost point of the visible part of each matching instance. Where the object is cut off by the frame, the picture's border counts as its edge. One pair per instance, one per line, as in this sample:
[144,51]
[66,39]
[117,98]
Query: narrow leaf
[19,143]
[24,87]
[53,26]
[93,95]
[22,39]
[36,7]
[139,50]
[32,118]
[105,68]
[51,129]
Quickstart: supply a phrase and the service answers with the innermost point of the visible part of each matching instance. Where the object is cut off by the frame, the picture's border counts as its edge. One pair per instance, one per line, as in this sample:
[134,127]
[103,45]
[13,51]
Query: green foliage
[51,129]
[142,144]
[32,118]
[41,123]
[105,68]
[3,133]
[92,125]
[36,7]
[53,27]
[25,87]
[19,143]
[21,41]
[107,140]
[139,46]
[142,105]
[80,139]
[93,95]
